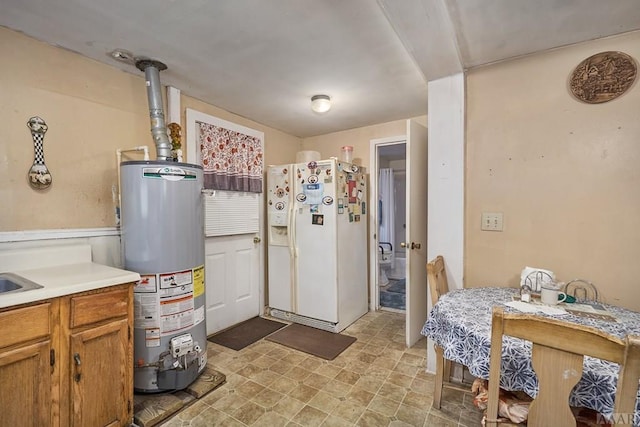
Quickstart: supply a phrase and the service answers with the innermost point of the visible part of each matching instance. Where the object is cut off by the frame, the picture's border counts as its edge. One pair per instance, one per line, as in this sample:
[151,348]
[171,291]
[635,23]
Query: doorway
[412,237]
[391,226]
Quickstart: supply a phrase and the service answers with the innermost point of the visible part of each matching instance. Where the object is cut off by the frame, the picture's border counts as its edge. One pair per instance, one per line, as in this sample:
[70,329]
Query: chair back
[437,278]
[558,350]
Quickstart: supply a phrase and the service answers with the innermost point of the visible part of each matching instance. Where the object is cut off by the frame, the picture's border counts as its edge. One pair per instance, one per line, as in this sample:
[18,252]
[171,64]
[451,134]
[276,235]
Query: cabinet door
[25,386]
[100,370]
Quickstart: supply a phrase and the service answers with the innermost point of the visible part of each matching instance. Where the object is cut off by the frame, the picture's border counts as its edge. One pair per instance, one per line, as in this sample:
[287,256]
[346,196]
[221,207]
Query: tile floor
[377,381]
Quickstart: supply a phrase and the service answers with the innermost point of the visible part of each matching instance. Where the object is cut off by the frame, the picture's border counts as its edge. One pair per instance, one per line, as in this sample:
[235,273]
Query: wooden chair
[438,285]
[557,355]
[437,277]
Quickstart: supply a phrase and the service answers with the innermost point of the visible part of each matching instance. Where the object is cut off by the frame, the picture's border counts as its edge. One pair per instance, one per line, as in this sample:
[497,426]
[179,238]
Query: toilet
[385,259]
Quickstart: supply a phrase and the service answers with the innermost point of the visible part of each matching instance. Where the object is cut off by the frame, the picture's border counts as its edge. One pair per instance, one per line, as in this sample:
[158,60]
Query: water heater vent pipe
[152,70]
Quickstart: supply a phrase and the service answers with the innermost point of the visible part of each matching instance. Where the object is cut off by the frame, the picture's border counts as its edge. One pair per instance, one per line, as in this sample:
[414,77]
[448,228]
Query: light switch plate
[492,221]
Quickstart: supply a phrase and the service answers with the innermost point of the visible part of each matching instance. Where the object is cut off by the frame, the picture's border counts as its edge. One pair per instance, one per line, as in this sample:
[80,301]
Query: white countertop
[66,279]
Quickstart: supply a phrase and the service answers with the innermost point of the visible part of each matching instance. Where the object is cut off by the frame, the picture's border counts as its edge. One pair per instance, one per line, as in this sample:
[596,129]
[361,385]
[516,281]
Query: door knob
[256,240]
[413,245]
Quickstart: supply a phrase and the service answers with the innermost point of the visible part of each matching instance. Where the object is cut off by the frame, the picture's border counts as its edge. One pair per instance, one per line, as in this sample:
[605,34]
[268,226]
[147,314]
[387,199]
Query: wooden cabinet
[99,373]
[100,358]
[26,372]
[68,361]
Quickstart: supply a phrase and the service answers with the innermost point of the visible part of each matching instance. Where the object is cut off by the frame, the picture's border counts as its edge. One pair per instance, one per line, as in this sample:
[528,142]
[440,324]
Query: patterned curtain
[232,161]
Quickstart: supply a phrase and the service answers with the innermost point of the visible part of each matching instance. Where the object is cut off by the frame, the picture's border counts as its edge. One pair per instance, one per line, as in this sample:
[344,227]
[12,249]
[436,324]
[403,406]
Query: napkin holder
[534,278]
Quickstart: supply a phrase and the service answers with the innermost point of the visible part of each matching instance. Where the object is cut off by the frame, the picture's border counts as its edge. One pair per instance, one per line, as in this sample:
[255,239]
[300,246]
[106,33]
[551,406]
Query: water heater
[163,240]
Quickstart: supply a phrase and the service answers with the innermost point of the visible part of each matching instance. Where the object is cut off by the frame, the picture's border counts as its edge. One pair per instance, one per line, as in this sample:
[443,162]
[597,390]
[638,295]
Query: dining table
[460,323]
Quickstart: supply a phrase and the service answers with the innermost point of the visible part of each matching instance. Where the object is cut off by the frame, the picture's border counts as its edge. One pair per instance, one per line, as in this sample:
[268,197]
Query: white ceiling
[264,59]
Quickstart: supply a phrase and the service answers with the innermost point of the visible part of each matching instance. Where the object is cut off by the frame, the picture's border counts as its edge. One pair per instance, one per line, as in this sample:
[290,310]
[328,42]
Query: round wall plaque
[603,77]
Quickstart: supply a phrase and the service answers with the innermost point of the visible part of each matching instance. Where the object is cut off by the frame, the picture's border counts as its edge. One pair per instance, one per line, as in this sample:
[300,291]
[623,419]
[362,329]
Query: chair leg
[446,372]
[441,366]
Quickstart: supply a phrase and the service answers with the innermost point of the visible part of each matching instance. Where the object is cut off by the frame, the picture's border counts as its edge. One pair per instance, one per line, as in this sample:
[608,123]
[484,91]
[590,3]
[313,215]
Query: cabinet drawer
[25,324]
[87,309]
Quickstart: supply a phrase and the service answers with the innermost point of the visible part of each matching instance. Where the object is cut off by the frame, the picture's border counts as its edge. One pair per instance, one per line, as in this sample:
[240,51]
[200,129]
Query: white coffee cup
[551,295]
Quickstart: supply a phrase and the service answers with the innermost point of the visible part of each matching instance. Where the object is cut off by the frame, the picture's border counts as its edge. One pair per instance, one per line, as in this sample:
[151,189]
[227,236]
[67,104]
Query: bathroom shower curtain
[386,211]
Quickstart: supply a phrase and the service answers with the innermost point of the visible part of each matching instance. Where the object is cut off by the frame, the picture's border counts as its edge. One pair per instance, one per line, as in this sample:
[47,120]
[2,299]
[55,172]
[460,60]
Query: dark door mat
[393,300]
[313,341]
[246,333]
[393,296]
[151,409]
[399,287]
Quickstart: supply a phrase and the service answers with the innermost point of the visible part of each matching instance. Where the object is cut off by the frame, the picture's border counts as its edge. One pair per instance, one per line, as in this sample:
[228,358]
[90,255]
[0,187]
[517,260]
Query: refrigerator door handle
[292,230]
[293,252]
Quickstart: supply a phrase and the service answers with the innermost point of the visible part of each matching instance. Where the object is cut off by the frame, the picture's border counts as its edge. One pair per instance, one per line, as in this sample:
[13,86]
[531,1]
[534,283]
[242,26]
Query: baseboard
[303,320]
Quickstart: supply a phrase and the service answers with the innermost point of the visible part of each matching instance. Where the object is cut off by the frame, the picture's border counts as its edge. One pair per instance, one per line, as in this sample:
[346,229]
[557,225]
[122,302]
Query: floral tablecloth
[460,323]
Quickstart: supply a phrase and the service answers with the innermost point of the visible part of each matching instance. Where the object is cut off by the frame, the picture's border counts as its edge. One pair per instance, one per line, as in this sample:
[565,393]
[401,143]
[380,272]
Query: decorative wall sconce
[603,77]
[39,175]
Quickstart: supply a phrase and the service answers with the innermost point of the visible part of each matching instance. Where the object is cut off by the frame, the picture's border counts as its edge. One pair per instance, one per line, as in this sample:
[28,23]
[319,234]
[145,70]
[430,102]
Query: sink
[12,283]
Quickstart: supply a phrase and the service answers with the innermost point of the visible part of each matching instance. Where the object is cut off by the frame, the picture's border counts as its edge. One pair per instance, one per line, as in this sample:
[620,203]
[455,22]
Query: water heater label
[152,337]
[176,301]
[179,280]
[146,284]
[198,315]
[145,310]
[164,303]
[168,173]
[198,281]
[176,314]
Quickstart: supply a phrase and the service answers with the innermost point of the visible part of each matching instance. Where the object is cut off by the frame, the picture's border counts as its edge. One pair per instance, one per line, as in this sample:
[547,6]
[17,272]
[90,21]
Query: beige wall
[91,109]
[565,174]
[330,145]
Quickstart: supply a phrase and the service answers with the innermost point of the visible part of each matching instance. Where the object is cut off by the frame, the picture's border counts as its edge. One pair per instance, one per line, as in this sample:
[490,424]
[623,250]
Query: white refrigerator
[317,231]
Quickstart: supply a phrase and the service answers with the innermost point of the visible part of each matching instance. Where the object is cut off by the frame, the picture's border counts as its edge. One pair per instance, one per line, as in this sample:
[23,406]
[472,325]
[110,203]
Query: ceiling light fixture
[320,103]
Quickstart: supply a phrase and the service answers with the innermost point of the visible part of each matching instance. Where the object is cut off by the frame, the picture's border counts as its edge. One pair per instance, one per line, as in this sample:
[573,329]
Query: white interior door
[232,266]
[234,257]
[416,240]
